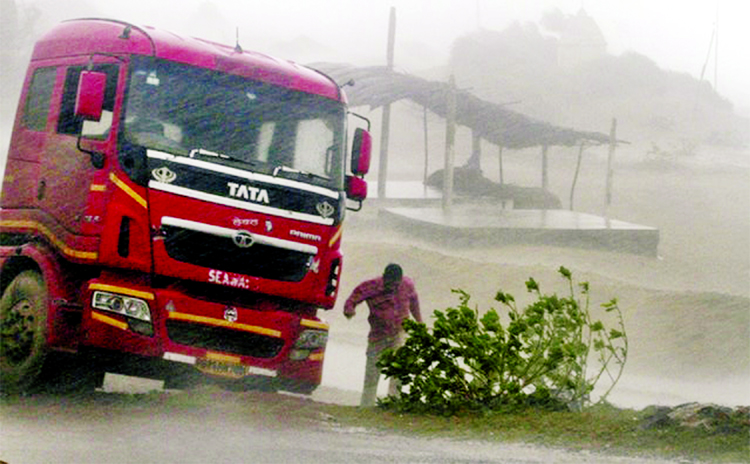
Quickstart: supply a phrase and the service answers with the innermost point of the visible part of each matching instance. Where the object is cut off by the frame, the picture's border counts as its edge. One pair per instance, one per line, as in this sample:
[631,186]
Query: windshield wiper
[298,172]
[204,152]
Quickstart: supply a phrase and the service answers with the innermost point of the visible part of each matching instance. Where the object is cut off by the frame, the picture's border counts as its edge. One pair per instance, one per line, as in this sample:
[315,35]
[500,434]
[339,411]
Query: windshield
[235,121]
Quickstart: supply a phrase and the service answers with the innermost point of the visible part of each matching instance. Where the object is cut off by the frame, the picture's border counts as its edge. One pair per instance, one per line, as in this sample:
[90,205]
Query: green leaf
[610,305]
[565,272]
[504,298]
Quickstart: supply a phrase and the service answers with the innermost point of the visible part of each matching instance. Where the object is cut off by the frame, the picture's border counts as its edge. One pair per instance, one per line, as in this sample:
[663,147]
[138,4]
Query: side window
[72,125]
[36,109]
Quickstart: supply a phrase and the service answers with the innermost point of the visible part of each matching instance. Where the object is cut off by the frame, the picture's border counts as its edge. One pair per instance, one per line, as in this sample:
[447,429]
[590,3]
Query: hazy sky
[676,34]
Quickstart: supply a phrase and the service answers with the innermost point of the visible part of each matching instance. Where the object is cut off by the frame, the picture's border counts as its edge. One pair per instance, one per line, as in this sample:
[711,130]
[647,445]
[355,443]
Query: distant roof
[377,86]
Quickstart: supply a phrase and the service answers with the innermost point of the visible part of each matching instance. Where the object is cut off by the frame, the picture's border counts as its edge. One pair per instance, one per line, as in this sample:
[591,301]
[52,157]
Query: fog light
[299,355]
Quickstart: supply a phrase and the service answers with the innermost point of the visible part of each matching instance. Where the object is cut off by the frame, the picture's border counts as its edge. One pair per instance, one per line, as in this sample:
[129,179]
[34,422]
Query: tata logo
[325,209]
[230,314]
[243,239]
[164,175]
[248,192]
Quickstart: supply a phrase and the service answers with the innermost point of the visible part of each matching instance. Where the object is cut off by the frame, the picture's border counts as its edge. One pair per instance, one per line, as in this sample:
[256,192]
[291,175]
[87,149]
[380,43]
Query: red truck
[170,206]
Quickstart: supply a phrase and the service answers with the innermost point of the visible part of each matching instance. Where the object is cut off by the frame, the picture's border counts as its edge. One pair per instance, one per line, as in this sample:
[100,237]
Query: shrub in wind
[469,361]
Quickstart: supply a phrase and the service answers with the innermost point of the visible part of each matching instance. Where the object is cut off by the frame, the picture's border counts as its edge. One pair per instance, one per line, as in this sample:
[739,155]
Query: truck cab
[178,201]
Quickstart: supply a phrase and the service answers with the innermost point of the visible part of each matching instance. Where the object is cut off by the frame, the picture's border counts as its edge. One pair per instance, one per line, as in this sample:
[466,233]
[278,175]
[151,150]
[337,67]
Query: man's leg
[394,385]
[372,373]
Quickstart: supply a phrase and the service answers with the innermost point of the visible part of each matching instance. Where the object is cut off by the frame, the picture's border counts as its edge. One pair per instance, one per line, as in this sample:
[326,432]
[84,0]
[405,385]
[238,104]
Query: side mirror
[90,95]
[361,149]
[356,188]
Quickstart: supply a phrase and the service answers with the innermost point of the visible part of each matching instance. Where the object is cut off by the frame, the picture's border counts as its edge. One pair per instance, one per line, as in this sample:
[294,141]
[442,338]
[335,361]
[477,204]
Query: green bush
[541,358]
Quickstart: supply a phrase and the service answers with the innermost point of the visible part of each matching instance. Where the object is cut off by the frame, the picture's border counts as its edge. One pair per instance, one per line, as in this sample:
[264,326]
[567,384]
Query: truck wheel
[23,332]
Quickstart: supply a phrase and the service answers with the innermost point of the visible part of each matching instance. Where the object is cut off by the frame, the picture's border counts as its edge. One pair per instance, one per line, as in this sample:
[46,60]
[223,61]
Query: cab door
[67,175]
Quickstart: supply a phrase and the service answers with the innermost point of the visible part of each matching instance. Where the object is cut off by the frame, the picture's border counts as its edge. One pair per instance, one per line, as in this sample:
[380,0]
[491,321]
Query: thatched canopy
[377,86]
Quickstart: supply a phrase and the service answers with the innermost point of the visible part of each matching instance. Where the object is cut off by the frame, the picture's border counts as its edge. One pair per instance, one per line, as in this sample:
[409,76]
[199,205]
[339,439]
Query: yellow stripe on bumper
[314,324]
[122,291]
[223,323]
[109,320]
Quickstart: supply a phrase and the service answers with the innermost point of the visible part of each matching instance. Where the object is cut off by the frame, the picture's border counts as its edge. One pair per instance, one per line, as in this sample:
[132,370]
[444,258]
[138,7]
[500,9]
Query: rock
[709,417]
[657,419]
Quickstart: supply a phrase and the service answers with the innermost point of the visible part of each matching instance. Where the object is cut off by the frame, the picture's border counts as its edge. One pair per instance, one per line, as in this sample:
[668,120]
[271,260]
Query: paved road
[109,429]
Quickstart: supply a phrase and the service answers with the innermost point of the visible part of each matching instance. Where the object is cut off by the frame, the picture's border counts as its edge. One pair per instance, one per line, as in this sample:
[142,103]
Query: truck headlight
[312,339]
[124,305]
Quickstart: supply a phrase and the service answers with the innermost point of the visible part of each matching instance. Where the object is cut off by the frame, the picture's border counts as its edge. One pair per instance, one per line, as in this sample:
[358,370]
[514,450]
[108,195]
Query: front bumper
[217,339]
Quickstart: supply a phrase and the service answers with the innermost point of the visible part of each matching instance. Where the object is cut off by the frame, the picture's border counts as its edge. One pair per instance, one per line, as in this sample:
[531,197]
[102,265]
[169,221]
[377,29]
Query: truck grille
[223,339]
[215,252]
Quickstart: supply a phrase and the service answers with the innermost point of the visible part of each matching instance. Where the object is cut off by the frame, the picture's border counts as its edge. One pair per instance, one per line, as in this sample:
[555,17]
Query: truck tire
[23,332]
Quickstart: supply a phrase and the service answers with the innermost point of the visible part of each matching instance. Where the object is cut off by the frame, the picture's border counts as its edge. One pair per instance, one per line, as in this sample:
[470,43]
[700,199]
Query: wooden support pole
[545,179]
[500,162]
[450,140]
[575,176]
[426,151]
[475,161]
[610,159]
[386,124]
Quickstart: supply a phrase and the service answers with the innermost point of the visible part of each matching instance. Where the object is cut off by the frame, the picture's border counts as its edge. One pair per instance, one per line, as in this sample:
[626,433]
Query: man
[391,298]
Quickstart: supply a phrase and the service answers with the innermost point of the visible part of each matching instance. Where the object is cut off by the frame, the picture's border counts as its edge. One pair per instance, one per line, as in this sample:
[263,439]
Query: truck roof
[106,36]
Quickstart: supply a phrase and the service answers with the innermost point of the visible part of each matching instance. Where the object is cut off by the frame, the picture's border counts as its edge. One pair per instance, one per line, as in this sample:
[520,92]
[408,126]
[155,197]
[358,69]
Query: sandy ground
[687,311]
[94,430]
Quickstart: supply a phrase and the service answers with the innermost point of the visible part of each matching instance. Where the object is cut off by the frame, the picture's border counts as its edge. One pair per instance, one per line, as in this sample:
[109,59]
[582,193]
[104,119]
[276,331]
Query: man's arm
[362,292]
[414,302]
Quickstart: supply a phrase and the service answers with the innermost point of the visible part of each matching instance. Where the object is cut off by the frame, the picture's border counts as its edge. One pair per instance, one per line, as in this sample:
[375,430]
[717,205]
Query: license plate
[222,369]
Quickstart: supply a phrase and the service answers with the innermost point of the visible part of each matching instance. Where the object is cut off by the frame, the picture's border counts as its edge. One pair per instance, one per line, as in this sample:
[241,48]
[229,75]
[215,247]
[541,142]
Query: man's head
[392,277]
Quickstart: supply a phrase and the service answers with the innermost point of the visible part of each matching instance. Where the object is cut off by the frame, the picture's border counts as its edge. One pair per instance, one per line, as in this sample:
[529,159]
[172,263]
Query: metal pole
[386,124]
